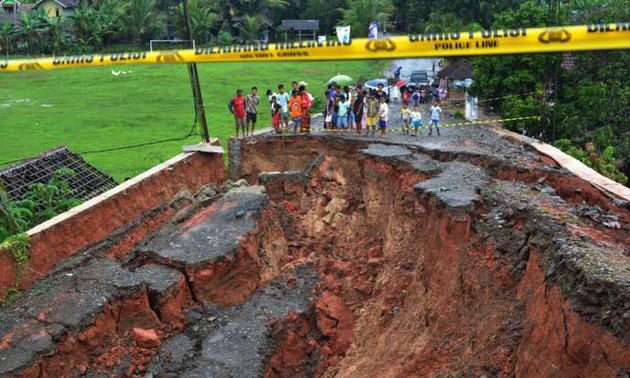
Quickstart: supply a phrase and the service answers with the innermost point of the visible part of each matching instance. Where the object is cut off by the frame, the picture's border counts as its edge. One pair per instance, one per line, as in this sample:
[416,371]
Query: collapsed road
[465,255]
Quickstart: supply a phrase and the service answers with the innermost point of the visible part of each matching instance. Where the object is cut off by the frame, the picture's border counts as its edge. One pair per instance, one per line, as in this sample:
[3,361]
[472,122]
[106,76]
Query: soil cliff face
[448,269]
[348,257]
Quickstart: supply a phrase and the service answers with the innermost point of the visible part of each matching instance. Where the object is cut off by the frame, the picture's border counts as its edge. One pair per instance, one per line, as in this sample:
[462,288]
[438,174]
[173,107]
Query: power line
[192,132]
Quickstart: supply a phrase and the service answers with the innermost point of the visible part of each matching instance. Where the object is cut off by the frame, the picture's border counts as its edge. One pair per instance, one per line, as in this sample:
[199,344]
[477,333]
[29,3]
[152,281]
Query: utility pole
[553,62]
[193,74]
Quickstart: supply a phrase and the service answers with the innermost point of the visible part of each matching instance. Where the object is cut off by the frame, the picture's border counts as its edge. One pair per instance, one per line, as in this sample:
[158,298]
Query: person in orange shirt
[295,108]
[307,102]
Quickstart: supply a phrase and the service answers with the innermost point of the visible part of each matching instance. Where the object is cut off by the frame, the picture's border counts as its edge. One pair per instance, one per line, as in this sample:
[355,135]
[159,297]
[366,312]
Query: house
[456,78]
[10,7]
[9,10]
[55,8]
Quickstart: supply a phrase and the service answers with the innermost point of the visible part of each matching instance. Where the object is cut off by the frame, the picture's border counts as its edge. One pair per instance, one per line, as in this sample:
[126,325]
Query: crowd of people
[288,110]
[353,108]
[419,94]
[365,111]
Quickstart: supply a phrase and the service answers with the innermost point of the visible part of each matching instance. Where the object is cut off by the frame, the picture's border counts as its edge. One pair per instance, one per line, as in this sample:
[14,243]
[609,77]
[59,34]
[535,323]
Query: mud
[342,256]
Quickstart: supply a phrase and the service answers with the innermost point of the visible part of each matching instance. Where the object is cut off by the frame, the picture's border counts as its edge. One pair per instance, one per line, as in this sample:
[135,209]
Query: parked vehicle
[419,79]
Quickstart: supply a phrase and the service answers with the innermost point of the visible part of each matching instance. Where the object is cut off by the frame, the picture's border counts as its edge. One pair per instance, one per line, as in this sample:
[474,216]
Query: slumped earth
[337,256]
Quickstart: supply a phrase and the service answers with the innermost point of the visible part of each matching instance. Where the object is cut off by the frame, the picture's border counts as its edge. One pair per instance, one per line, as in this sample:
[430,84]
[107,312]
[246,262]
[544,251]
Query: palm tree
[201,16]
[97,24]
[250,27]
[83,21]
[443,23]
[140,20]
[108,17]
[229,9]
[6,32]
[57,31]
[32,24]
[360,13]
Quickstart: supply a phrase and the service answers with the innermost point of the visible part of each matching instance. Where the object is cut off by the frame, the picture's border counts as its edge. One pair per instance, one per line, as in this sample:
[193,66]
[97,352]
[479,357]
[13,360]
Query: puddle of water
[22,101]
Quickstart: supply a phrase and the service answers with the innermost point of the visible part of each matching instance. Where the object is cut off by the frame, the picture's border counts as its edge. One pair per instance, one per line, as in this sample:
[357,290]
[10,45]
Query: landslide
[448,265]
[347,257]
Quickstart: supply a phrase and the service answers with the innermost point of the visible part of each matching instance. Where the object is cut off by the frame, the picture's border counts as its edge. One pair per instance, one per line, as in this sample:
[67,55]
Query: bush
[225,38]
[603,163]
[40,203]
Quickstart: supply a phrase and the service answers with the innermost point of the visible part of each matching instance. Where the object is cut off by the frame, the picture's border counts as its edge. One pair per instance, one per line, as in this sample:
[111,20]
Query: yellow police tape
[288,130]
[488,42]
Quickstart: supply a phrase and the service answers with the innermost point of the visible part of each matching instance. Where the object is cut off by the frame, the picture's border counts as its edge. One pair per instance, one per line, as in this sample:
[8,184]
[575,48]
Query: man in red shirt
[237,107]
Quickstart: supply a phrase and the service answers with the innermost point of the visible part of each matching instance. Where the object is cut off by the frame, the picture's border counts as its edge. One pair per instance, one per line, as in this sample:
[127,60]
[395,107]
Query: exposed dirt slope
[348,257]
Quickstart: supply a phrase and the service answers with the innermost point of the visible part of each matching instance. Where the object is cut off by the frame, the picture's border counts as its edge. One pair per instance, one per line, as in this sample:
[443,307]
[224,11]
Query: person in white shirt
[416,120]
[435,113]
[383,114]
[283,99]
[270,95]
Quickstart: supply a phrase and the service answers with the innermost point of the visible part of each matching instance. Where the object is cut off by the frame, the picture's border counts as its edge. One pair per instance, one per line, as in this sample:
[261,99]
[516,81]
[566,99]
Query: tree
[202,19]
[56,28]
[593,106]
[84,22]
[107,21]
[360,13]
[328,12]
[230,9]
[443,23]
[515,79]
[97,25]
[33,24]
[7,31]
[140,20]
[250,27]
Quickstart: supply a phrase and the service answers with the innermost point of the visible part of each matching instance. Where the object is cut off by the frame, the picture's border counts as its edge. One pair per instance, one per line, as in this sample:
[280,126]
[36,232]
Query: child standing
[416,120]
[283,100]
[405,116]
[295,107]
[383,114]
[371,113]
[276,114]
[342,113]
[415,97]
[405,95]
[435,114]
[251,106]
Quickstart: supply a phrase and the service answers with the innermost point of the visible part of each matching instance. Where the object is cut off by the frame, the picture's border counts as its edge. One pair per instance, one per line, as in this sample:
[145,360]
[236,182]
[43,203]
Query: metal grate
[88,182]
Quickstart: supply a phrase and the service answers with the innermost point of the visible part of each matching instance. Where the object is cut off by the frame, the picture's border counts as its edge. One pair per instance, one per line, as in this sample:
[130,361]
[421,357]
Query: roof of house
[300,25]
[9,3]
[63,3]
[88,182]
[460,70]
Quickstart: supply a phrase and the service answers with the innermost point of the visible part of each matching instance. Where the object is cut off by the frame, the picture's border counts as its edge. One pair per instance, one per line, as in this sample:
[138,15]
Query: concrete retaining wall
[130,211]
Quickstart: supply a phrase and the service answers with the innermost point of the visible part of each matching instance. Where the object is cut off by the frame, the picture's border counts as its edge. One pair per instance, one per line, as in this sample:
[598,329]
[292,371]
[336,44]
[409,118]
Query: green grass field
[90,109]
